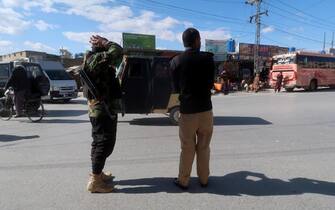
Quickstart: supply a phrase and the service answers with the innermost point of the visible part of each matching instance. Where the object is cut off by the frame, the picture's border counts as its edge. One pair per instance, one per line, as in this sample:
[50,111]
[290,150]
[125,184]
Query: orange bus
[303,70]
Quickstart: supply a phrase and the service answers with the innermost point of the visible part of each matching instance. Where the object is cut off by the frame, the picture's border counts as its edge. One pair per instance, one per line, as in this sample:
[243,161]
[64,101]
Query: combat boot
[96,184]
[107,176]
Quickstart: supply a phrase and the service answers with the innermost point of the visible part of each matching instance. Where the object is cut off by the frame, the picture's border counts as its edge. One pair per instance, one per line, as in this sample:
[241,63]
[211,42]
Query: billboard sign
[218,48]
[139,41]
[246,51]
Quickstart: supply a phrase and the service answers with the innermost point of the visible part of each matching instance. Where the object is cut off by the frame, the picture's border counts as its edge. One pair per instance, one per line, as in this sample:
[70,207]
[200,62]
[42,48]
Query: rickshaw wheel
[174,115]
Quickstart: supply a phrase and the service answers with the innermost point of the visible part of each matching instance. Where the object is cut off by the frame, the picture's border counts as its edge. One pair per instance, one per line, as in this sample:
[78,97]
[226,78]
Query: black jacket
[193,75]
[19,80]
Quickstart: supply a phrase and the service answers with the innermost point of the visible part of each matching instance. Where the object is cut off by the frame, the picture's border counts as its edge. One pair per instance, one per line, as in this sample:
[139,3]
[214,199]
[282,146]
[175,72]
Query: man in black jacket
[22,85]
[193,73]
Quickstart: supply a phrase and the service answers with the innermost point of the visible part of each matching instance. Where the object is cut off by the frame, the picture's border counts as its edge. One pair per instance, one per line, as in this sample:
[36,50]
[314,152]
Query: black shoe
[18,116]
[177,183]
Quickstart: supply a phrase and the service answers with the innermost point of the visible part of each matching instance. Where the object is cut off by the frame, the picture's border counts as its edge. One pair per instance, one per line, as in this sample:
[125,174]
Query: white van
[62,86]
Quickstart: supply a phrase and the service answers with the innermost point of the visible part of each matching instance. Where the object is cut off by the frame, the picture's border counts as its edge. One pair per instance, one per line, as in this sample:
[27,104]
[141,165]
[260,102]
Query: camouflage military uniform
[100,68]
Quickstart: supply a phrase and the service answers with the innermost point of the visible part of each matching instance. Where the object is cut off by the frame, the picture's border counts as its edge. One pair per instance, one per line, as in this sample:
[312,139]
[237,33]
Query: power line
[164,8]
[295,21]
[296,35]
[218,18]
[316,3]
[299,17]
[222,2]
[238,33]
[241,35]
[236,20]
[298,20]
[275,41]
[299,10]
[138,6]
[208,15]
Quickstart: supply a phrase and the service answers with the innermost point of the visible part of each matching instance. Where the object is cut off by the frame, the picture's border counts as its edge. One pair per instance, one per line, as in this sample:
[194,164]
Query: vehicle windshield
[4,70]
[284,60]
[58,75]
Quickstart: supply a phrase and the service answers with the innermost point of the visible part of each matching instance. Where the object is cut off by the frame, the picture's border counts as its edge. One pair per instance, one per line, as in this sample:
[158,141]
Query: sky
[48,25]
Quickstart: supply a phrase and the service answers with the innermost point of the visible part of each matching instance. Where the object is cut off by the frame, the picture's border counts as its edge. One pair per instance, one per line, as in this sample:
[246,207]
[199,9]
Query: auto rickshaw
[147,85]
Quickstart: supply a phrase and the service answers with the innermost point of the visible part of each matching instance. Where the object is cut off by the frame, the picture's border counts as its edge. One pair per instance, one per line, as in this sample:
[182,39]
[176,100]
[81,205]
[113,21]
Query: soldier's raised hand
[98,41]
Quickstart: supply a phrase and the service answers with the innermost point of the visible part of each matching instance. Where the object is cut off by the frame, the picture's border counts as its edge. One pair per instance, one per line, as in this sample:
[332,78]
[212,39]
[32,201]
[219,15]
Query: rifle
[94,91]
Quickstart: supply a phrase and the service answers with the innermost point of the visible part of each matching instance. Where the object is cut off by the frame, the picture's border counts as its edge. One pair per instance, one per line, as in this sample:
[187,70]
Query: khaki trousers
[195,133]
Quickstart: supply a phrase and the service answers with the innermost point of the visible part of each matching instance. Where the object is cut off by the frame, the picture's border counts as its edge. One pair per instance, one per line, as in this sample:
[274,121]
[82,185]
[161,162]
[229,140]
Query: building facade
[35,56]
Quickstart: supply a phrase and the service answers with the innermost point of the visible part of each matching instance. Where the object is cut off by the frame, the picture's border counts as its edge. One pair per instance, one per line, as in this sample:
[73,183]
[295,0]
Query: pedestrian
[279,82]
[22,87]
[100,66]
[226,86]
[243,85]
[193,74]
[256,83]
[226,82]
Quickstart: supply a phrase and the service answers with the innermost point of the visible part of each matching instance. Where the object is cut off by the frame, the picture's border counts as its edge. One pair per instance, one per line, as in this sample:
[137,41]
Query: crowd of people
[223,85]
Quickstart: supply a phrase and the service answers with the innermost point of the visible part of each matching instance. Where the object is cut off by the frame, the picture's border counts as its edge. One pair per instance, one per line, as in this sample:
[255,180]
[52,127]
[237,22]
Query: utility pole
[331,50]
[257,19]
[324,42]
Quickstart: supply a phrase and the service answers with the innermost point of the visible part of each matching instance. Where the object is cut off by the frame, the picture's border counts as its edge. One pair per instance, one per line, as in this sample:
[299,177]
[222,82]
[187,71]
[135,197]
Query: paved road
[268,152]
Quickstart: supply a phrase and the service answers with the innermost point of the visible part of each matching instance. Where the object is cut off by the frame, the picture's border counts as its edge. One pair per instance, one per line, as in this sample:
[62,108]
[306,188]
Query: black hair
[190,35]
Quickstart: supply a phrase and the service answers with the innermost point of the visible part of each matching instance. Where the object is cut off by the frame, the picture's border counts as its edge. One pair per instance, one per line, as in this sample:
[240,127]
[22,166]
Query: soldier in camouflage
[100,65]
